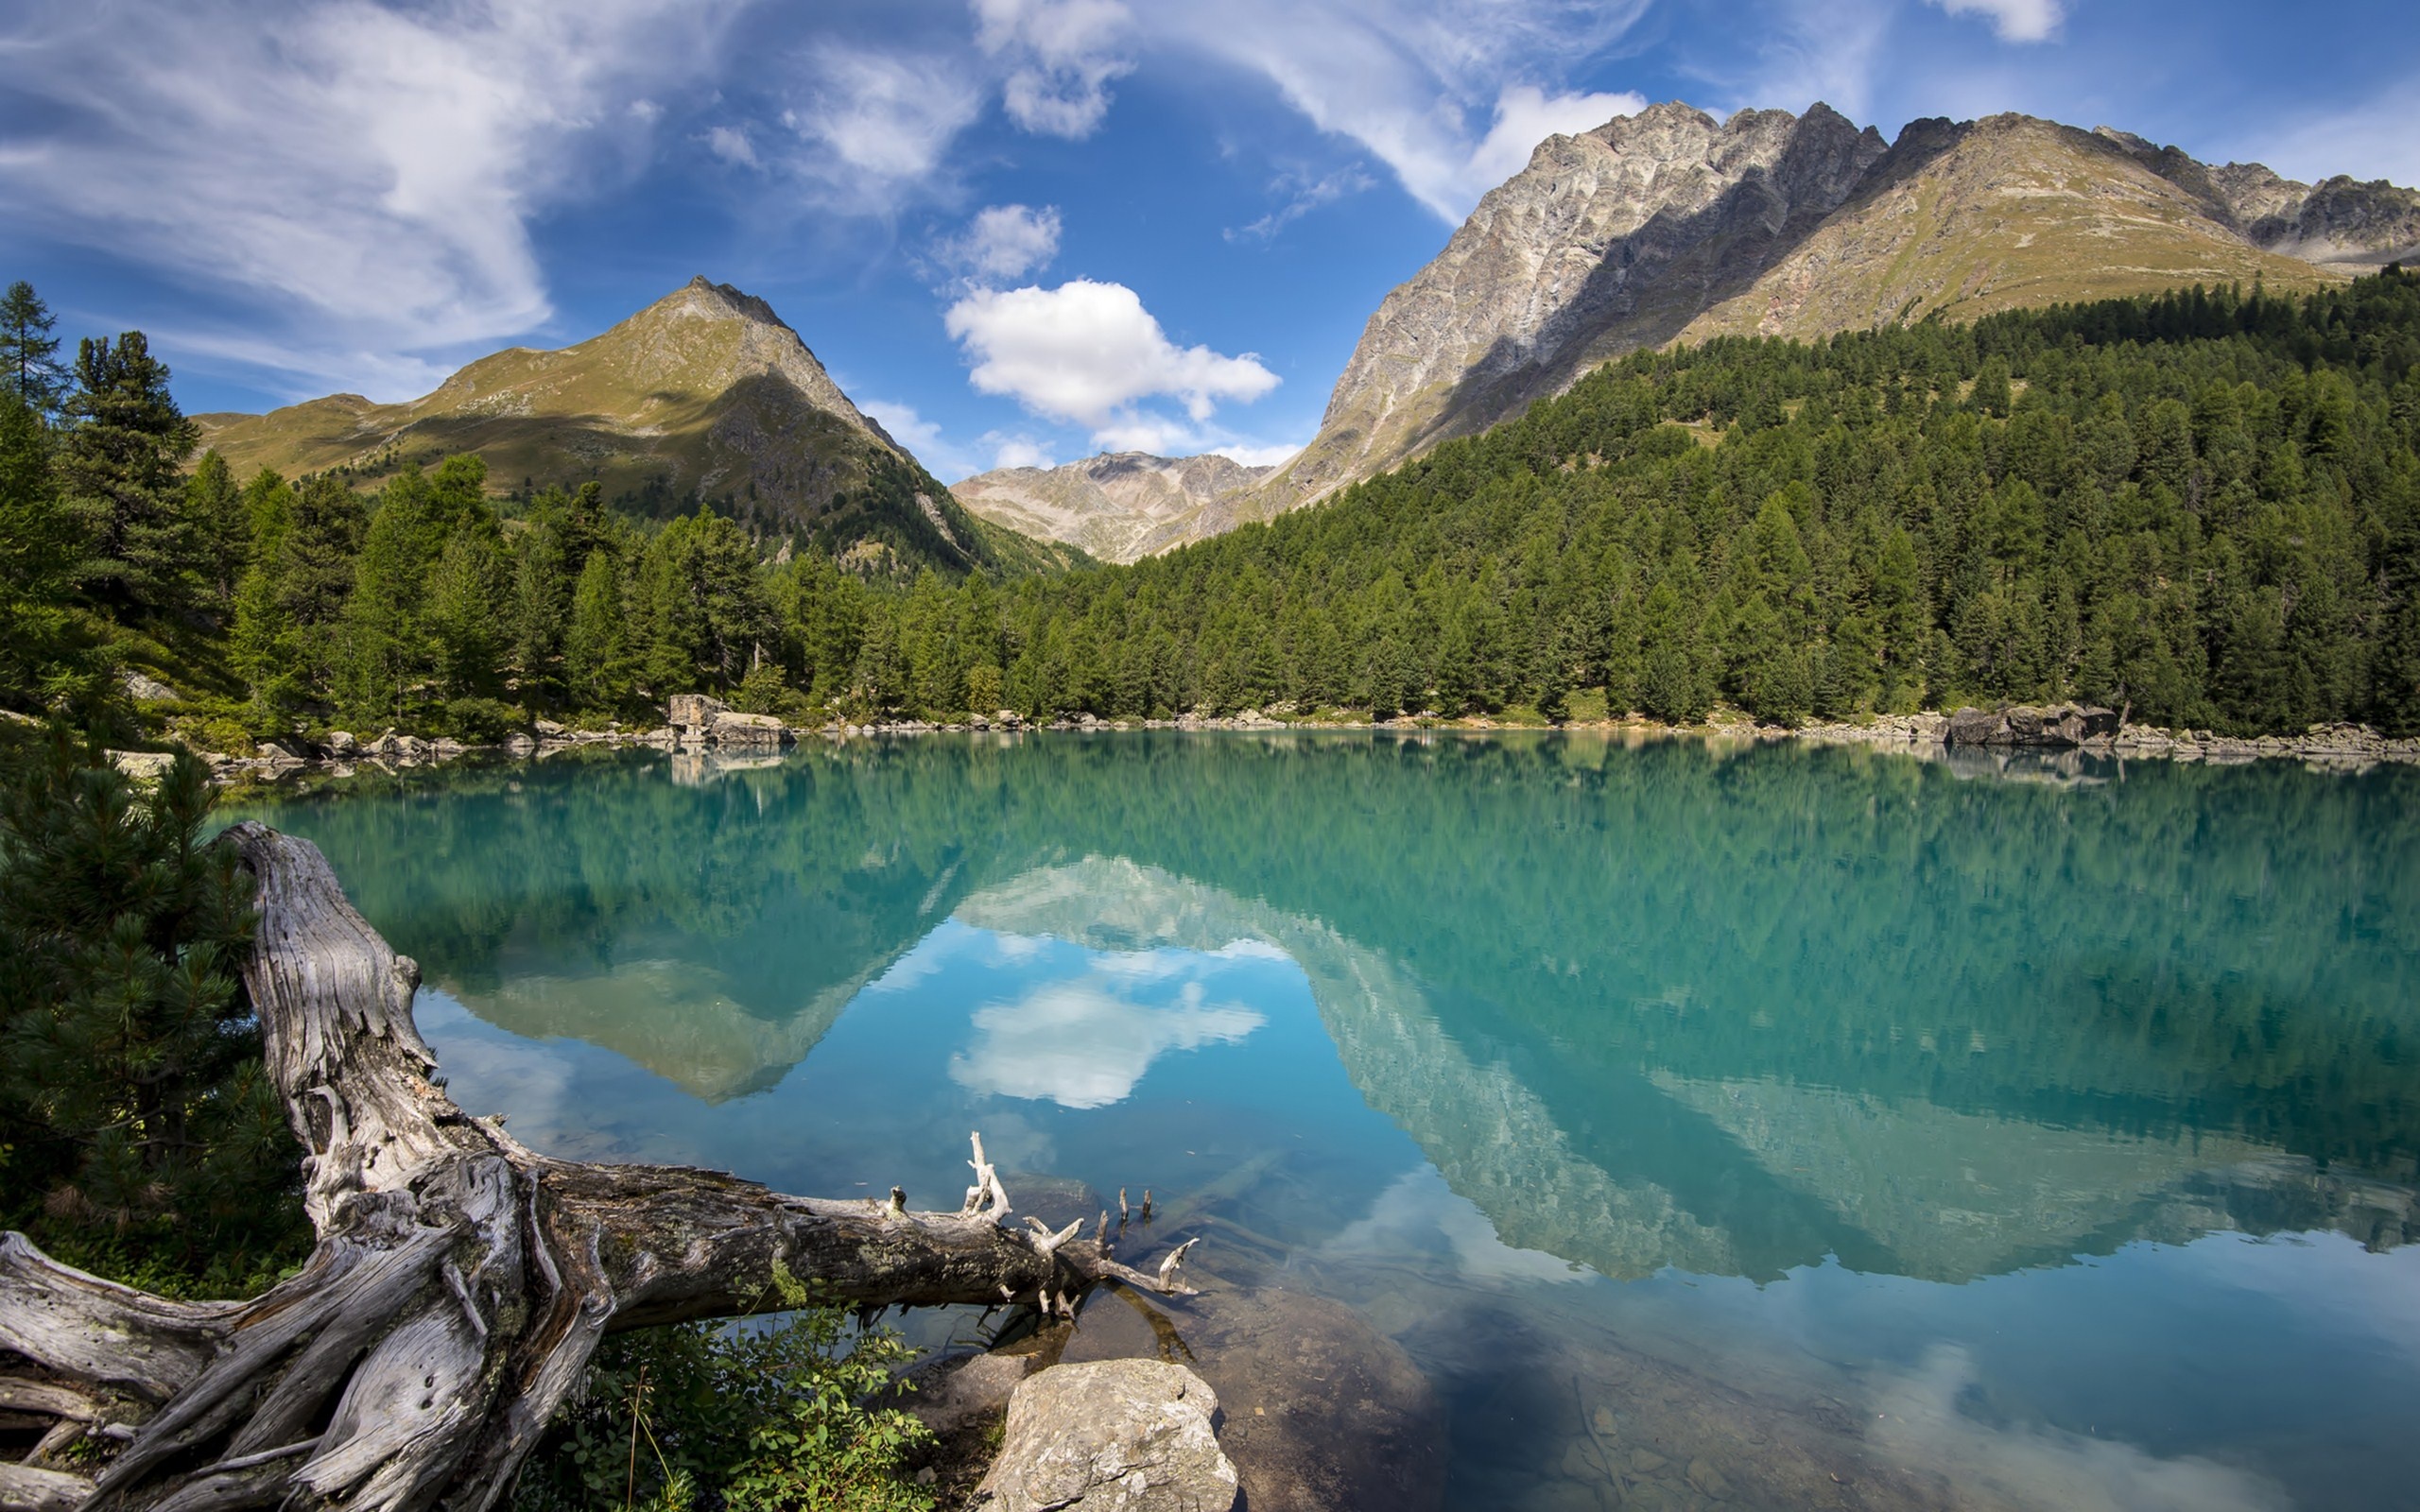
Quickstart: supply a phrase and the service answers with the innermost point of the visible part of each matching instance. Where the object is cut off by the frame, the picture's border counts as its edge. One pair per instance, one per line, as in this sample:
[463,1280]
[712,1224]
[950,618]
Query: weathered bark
[460,1281]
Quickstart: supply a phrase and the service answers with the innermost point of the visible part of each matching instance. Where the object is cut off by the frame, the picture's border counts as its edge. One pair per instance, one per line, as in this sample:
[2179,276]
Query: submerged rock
[1324,1413]
[1133,1435]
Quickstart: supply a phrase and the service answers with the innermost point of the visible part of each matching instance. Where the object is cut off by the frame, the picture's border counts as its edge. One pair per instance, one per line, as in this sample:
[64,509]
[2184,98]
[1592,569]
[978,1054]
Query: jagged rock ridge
[1119,505]
[704,394]
[1667,226]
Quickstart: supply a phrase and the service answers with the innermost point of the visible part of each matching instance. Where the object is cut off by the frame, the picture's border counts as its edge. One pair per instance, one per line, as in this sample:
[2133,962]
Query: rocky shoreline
[2071,738]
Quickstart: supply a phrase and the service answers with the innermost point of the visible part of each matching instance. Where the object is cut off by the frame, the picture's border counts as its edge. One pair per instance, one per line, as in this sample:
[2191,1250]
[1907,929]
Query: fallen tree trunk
[460,1281]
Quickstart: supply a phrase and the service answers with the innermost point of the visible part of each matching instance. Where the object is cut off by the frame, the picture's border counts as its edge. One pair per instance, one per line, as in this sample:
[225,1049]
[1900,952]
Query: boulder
[142,766]
[549,729]
[1973,727]
[1131,1435]
[341,743]
[729,728]
[1324,1413]
[693,712]
[142,688]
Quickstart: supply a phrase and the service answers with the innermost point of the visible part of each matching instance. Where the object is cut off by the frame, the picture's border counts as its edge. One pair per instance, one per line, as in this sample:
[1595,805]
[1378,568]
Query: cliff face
[704,394]
[1118,507]
[1607,241]
[1667,226]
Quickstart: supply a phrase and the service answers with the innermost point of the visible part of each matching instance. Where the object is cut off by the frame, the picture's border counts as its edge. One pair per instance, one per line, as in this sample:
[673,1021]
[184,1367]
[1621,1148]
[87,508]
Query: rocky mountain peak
[1610,238]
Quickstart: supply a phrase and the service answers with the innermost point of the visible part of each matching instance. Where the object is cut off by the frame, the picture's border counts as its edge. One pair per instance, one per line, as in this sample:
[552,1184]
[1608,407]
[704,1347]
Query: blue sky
[1015,229]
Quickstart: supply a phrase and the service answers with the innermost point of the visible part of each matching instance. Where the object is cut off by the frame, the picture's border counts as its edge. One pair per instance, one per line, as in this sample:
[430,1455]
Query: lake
[1639,1123]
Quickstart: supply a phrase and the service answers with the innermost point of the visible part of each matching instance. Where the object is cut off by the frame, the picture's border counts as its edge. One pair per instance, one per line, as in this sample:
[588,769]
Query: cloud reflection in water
[1087,1041]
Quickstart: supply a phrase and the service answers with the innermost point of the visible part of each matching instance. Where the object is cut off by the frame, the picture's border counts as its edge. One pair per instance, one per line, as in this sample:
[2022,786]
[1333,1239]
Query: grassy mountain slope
[1966,220]
[704,395]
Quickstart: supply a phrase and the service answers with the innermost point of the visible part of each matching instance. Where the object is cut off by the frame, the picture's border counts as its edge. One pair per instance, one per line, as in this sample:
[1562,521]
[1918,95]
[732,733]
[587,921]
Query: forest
[2202,508]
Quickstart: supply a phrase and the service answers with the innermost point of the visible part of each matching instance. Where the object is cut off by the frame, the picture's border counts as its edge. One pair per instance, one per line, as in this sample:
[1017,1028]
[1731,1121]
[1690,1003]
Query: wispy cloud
[1303,194]
[2371,138]
[1446,93]
[366,172]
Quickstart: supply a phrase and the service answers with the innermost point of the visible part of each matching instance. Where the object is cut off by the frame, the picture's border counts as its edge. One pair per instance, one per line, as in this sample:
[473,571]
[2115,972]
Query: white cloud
[1019,451]
[1061,56]
[2371,139]
[1087,352]
[731,143]
[2014,20]
[1440,90]
[1004,242]
[1252,456]
[880,124]
[1526,115]
[1303,194]
[362,172]
[942,457]
[1081,1045]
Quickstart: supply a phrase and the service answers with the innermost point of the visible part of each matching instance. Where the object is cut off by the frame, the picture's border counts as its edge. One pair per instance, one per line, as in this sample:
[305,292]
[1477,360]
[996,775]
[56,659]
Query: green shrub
[481,721]
[753,1417]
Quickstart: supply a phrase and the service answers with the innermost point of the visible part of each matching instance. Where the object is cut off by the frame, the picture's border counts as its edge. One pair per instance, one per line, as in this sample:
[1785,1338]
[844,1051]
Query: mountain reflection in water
[1428,1020]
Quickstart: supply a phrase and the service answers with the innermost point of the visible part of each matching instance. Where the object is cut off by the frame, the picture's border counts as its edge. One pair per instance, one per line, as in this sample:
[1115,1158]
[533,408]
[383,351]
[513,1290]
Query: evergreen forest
[2202,508]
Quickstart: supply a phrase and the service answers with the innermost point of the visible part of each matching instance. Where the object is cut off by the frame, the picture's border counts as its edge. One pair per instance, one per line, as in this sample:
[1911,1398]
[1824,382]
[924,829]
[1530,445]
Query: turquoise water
[1776,1125]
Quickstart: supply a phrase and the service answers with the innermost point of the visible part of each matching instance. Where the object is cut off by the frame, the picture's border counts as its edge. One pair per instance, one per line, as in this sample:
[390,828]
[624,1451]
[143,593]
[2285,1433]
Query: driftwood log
[460,1281]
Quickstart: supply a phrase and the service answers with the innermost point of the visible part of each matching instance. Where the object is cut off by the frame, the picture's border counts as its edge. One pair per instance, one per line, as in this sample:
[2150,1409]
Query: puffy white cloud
[1080,1045]
[1004,242]
[364,171]
[1087,351]
[2014,20]
[1061,56]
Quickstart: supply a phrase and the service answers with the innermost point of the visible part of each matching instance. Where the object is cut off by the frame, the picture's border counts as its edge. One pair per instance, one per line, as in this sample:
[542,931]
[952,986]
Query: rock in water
[1324,1413]
[1131,1435]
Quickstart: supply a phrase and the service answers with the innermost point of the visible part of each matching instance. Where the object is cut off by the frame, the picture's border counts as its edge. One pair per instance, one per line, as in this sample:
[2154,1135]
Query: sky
[1017,232]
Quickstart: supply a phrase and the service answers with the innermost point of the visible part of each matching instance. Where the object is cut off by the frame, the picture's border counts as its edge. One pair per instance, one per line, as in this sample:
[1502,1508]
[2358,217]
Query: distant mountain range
[1118,507]
[1653,227]
[705,395]
[1669,226]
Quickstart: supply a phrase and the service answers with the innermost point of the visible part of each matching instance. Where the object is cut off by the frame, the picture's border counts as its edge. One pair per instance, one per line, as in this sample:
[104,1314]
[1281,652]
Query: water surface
[1812,1127]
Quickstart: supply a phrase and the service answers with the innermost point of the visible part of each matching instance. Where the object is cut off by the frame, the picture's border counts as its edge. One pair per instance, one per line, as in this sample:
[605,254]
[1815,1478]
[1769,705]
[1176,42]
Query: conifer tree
[143,1120]
[29,365]
[43,657]
[120,472]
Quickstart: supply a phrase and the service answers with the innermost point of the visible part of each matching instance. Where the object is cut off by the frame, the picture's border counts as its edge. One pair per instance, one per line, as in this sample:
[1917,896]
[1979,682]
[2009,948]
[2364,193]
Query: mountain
[704,395]
[1667,226]
[1118,507]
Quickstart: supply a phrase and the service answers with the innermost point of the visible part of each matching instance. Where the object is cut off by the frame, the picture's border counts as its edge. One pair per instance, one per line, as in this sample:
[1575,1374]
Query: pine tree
[43,656]
[144,1125]
[120,470]
[221,530]
[597,661]
[29,365]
